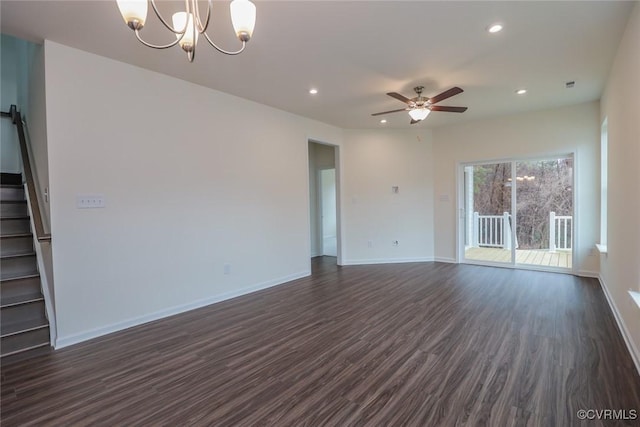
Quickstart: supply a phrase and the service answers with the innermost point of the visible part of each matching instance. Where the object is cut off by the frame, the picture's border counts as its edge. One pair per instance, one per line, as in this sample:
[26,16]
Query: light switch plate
[90,201]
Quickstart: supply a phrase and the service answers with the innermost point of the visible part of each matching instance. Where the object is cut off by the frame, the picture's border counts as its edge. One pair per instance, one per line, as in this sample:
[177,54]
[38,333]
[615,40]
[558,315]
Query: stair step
[13,208]
[24,336]
[25,326]
[16,244]
[12,266]
[17,256]
[20,286]
[22,309]
[14,235]
[14,225]
[20,300]
[11,192]
[10,178]
[27,353]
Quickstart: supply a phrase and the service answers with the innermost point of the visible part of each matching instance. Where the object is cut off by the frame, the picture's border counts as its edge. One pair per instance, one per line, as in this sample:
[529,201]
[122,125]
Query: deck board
[541,257]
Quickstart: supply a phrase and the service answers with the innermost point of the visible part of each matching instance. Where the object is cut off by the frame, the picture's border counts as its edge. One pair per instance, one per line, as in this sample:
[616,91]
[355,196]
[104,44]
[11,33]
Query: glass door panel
[487,213]
[544,212]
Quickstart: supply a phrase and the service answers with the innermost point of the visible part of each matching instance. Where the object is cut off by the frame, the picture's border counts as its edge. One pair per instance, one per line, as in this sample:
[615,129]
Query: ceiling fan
[420,106]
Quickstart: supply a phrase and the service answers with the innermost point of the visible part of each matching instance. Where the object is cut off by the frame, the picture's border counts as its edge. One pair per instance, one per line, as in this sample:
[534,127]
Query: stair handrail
[16,118]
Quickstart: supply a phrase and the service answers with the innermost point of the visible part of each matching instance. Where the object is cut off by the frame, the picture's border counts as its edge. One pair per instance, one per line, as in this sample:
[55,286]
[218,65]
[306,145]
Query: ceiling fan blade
[446,94]
[399,97]
[413,122]
[448,109]
[387,112]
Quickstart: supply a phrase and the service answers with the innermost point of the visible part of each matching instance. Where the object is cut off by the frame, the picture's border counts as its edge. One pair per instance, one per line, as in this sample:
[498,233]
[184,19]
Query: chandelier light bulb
[243,18]
[134,12]
[182,23]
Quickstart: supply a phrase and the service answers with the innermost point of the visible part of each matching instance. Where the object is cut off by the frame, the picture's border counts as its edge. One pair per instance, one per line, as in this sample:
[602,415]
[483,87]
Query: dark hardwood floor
[423,344]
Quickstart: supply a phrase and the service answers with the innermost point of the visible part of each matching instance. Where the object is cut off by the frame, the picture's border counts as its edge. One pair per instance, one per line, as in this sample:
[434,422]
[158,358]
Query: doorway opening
[519,213]
[323,204]
[328,209]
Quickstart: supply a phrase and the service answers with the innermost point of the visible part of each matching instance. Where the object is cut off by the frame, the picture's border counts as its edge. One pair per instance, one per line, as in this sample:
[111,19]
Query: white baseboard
[385,261]
[635,354]
[586,273]
[445,259]
[62,342]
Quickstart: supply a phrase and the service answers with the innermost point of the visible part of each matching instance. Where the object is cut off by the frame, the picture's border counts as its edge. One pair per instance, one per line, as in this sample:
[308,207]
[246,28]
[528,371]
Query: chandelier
[188,25]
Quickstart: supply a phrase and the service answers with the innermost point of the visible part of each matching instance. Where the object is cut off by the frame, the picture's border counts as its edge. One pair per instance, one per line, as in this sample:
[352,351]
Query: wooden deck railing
[560,232]
[494,231]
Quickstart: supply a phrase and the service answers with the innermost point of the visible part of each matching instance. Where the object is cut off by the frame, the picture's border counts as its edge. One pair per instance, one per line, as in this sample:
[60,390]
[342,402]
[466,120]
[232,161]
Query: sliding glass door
[544,206]
[518,213]
[488,213]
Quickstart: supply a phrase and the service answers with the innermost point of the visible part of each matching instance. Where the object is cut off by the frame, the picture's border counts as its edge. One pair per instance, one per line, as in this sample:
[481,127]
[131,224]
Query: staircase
[23,323]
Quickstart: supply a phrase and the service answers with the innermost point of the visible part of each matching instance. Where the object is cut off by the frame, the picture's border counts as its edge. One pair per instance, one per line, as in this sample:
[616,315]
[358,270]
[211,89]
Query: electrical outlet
[369,244]
[227,269]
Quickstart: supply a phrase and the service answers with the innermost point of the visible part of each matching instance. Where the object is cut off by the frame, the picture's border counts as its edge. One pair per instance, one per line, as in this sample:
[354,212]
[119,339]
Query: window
[604,142]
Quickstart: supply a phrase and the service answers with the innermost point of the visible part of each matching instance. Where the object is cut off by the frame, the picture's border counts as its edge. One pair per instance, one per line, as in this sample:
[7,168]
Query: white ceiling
[354,52]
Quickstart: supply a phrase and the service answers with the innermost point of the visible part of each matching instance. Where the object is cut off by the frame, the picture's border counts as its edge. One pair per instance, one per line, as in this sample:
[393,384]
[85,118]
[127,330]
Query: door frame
[339,192]
[461,214]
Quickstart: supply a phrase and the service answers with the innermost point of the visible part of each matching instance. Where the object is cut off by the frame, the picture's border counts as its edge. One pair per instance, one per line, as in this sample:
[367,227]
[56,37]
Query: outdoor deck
[523,256]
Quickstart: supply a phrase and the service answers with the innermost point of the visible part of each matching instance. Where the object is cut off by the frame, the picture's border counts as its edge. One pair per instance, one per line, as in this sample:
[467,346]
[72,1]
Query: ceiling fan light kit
[188,25]
[420,106]
[419,113]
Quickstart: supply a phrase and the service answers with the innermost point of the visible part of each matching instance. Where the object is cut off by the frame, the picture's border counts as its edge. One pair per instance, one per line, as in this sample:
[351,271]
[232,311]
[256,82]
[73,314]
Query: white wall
[375,161]
[542,133]
[190,185]
[620,268]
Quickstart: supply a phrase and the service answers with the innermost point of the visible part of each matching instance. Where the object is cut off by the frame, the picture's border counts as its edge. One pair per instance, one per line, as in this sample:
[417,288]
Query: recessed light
[521,91]
[495,28]
[313,91]
[383,121]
